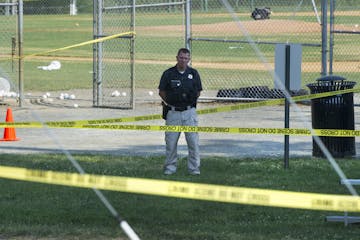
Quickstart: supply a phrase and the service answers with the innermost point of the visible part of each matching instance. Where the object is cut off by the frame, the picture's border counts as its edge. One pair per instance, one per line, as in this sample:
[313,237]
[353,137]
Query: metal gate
[114,74]
[11,26]
[113,79]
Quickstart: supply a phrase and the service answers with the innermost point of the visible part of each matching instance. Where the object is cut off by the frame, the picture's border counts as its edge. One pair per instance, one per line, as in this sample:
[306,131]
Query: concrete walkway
[148,143]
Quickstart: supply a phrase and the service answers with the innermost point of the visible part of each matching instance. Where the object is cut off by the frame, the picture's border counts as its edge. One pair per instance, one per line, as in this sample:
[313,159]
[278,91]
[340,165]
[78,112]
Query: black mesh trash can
[334,112]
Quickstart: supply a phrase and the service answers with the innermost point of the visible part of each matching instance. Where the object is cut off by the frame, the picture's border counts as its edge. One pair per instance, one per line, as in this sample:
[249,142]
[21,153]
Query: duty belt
[180,109]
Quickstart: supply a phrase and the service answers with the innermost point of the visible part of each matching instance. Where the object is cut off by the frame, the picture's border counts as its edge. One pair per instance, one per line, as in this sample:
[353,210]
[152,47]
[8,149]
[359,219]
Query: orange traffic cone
[9,133]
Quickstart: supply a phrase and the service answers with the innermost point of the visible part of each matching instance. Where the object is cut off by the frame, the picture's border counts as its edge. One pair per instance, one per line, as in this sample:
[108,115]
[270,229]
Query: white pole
[188,24]
[316,12]
[73,8]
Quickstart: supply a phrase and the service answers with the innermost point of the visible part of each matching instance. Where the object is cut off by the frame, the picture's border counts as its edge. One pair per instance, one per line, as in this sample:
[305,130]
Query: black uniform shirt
[181,88]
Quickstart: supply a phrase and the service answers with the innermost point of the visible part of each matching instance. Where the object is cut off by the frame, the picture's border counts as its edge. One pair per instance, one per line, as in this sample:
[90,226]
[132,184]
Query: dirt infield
[258,27]
[231,28]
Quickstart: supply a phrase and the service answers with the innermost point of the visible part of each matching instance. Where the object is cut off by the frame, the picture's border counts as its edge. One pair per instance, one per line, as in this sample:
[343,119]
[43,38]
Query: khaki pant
[184,118]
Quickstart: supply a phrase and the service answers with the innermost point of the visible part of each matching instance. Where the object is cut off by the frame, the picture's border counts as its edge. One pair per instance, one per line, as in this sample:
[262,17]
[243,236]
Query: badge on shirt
[190,76]
[175,83]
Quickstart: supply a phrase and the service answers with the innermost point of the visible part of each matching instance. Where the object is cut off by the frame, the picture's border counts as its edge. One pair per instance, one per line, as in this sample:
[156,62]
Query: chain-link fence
[114,68]
[8,49]
[160,32]
[51,7]
[220,41]
[235,51]
[64,75]
[345,40]
[220,50]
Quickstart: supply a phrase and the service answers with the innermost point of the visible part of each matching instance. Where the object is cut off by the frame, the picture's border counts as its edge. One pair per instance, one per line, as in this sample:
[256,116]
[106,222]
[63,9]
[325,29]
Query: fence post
[187,24]
[331,47]
[324,37]
[21,67]
[73,7]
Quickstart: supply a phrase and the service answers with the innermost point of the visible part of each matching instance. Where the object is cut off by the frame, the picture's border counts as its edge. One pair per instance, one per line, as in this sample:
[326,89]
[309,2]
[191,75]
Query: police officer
[179,88]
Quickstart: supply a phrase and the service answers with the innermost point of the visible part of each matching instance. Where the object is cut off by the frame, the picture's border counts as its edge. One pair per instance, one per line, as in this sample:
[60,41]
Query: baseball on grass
[116,93]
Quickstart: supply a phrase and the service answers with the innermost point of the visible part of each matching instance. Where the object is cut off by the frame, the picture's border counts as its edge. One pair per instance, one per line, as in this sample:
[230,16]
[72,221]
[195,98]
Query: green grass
[46,32]
[48,211]
[73,75]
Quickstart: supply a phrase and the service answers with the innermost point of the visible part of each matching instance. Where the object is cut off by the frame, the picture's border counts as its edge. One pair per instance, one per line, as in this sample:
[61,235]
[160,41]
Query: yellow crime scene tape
[95,123]
[234,130]
[207,192]
[275,101]
[102,39]
[106,123]
[234,107]
[80,123]
[174,128]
